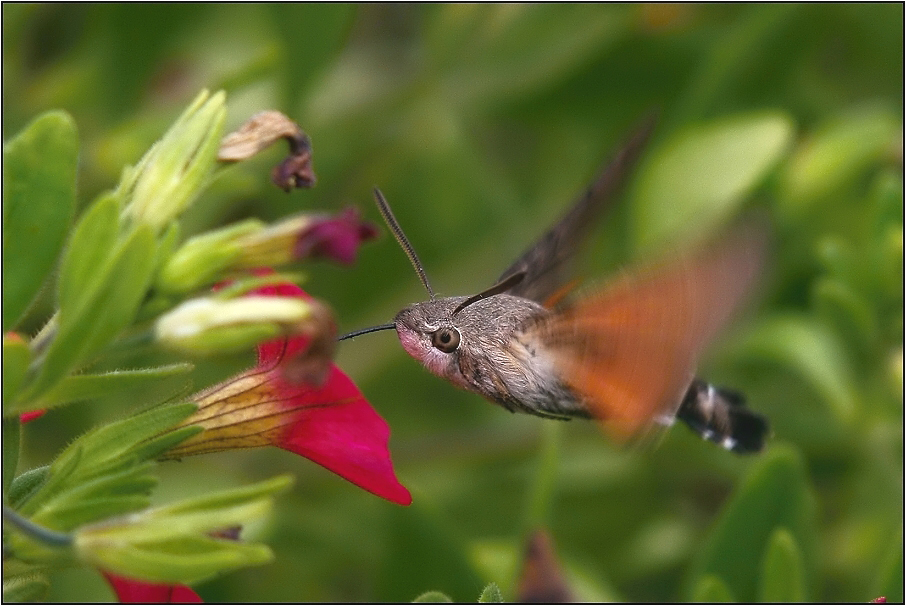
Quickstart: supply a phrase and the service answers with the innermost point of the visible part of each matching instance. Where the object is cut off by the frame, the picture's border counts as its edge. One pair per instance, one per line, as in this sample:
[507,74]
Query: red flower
[31,415]
[331,424]
[129,591]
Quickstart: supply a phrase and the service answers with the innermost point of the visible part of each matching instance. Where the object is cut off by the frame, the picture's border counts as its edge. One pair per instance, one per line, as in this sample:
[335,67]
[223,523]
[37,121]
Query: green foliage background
[480,124]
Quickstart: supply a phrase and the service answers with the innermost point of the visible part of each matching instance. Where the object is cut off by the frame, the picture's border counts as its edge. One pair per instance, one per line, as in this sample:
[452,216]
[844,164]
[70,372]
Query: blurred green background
[481,124]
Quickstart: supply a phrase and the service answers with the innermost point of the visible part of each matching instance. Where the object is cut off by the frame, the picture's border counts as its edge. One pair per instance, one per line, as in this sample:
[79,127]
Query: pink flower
[336,238]
[129,591]
[31,415]
[331,424]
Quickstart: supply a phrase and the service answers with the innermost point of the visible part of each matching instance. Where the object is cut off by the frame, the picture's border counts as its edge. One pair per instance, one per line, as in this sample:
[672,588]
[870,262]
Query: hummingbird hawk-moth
[624,355]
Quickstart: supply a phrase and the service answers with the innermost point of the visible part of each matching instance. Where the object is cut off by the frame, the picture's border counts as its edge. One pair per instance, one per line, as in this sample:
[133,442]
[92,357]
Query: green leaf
[129,486]
[112,440]
[484,51]
[491,595]
[89,249]
[87,386]
[125,288]
[433,597]
[774,493]
[73,514]
[782,573]
[58,473]
[700,176]
[807,346]
[39,189]
[25,588]
[107,450]
[836,155]
[110,308]
[846,308]
[16,358]
[26,483]
[155,447]
[227,498]
[711,589]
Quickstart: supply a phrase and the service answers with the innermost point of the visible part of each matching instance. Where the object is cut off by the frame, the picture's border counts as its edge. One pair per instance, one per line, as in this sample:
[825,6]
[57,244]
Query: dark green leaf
[433,597]
[491,595]
[25,588]
[58,473]
[39,187]
[774,493]
[26,483]
[782,573]
[804,344]
[711,590]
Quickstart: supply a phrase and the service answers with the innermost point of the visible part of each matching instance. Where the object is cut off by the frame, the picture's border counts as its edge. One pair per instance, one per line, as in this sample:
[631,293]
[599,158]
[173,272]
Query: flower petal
[330,422]
[347,437]
[335,238]
[31,415]
[130,591]
[272,352]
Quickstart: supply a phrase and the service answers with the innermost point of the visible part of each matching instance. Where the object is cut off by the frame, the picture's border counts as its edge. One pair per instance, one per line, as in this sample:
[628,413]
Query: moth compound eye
[445,339]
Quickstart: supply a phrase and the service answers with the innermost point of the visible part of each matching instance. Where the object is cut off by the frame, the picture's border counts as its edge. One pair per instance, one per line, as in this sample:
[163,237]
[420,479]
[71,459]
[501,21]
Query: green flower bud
[202,260]
[179,543]
[176,168]
[209,325]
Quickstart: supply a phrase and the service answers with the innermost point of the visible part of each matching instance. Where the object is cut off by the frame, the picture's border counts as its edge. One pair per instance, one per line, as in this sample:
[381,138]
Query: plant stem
[34,531]
[541,494]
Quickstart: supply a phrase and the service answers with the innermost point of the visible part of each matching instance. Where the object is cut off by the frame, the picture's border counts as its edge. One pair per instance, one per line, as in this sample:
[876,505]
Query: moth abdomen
[719,415]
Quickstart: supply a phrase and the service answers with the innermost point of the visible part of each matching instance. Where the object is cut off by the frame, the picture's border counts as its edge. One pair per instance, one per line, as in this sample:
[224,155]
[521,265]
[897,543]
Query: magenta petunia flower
[331,423]
[130,591]
[31,415]
[336,238]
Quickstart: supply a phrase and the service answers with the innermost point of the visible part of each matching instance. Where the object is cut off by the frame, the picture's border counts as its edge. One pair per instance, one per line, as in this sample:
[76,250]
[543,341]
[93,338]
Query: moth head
[428,333]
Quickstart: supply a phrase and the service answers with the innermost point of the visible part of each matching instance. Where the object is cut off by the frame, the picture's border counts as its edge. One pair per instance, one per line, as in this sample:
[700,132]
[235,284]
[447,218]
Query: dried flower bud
[262,130]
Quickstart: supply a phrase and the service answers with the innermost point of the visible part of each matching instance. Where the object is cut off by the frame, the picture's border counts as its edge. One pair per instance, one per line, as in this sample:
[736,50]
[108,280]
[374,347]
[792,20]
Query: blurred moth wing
[631,349]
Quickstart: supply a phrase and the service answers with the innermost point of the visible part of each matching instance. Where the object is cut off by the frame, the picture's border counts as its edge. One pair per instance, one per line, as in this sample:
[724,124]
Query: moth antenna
[394,226]
[502,286]
[365,331]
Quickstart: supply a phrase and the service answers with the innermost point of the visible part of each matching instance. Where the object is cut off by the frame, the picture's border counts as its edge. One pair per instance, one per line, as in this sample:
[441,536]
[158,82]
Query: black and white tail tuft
[720,415]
